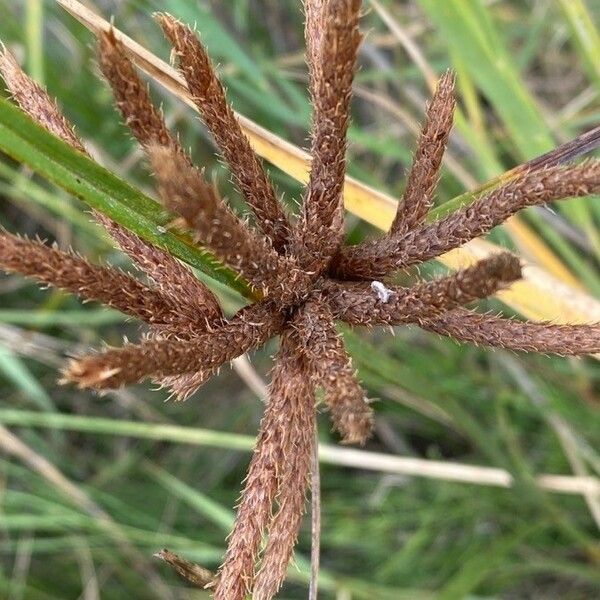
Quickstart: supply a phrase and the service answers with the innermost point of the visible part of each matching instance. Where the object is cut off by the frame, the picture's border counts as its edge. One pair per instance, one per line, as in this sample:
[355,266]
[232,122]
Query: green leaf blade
[27,142]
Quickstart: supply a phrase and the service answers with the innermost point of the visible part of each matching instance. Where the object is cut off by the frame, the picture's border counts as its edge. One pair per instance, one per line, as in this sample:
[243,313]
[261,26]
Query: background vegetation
[100,483]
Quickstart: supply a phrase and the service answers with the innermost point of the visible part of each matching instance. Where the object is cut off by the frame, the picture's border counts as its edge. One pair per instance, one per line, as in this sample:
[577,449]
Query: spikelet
[360,304]
[423,176]
[209,96]
[381,257]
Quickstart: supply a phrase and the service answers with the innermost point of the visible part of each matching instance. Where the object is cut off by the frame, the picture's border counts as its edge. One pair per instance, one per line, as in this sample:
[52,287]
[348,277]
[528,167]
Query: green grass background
[529,78]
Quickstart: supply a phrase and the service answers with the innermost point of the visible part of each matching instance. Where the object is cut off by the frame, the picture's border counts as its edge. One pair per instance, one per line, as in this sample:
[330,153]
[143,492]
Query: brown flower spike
[307,277]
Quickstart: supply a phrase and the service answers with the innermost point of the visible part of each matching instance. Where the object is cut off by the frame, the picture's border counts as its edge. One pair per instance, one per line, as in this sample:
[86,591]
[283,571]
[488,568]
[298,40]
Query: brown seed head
[424,173]
[221,121]
[320,230]
[35,101]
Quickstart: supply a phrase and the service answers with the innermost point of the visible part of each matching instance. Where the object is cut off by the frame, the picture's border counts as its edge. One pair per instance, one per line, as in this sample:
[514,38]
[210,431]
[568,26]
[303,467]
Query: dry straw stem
[315,519]
[328,454]
[352,302]
[379,257]
[424,173]
[209,96]
[321,228]
[185,191]
[332,367]
[450,471]
[250,327]
[290,409]
[538,295]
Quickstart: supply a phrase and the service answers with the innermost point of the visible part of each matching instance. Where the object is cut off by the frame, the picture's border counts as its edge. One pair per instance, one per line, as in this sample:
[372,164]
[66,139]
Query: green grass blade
[34,31]
[472,35]
[22,189]
[15,370]
[66,318]
[208,508]
[475,570]
[585,35]
[53,159]
[150,431]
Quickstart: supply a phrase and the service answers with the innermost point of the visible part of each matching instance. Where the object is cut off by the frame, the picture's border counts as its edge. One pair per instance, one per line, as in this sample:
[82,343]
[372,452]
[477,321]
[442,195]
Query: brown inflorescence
[218,116]
[308,278]
[427,162]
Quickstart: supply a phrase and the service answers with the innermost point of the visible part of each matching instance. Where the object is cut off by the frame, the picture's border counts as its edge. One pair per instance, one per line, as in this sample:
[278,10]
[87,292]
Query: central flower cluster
[305,276]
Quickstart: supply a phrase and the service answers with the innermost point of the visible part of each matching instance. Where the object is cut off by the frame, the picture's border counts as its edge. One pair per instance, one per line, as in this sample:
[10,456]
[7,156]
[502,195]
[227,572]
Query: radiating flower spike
[358,304]
[209,96]
[185,191]
[132,97]
[196,303]
[35,101]
[379,258]
[157,359]
[524,336]
[279,469]
[72,273]
[320,230]
[308,279]
[332,368]
[423,176]
[297,389]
